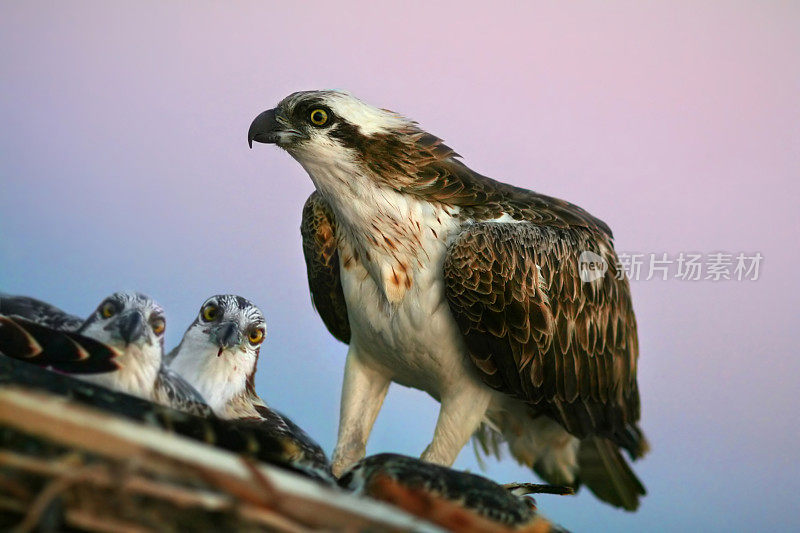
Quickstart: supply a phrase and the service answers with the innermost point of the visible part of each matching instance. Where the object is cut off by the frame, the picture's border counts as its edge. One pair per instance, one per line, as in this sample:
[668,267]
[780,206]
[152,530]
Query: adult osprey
[450,282]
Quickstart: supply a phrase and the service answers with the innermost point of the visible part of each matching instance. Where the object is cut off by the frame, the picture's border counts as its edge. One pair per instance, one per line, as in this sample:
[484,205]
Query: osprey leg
[459,417]
[363,392]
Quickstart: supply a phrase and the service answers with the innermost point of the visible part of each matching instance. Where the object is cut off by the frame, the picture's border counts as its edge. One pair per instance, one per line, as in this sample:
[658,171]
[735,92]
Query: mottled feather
[173,390]
[469,491]
[541,337]
[301,449]
[38,311]
[418,163]
[322,263]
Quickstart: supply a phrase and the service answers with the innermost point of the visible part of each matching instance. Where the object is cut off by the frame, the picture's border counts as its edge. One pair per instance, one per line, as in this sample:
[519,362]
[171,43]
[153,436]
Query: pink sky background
[124,165]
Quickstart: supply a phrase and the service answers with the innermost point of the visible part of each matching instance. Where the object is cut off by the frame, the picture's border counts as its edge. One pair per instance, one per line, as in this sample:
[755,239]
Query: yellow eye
[210,312]
[108,310]
[256,336]
[158,324]
[319,117]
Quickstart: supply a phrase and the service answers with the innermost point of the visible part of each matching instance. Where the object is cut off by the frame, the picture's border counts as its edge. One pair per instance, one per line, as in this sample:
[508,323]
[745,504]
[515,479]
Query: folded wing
[322,263]
[537,332]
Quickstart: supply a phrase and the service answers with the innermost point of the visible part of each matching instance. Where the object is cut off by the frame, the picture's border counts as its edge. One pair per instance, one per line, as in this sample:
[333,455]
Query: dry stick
[40,503]
[271,495]
[259,504]
[160,490]
[163,490]
[273,520]
[12,487]
[88,521]
[12,505]
[59,420]
[137,484]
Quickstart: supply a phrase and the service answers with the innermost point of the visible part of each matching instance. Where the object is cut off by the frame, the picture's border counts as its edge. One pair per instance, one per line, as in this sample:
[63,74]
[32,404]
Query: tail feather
[639,445]
[607,474]
[560,458]
[47,347]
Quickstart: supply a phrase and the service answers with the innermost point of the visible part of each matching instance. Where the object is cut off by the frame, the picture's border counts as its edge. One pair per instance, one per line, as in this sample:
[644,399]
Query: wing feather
[535,331]
[60,350]
[39,312]
[318,229]
[172,390]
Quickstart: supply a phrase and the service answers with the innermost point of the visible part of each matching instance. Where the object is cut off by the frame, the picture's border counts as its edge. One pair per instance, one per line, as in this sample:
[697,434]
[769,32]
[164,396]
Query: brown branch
[40,504]
[302,503]
[90,522]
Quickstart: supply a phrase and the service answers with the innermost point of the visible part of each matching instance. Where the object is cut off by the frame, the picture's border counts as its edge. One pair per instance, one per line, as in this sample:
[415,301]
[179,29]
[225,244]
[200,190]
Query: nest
[68,466]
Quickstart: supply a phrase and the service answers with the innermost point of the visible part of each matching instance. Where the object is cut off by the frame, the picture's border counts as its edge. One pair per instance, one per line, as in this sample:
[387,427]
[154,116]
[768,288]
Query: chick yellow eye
[256,336]
[319,117]
[108,310]
[210,313]
[158,324]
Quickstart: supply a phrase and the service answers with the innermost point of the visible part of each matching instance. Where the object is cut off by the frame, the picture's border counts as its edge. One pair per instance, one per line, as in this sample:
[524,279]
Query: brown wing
[322,263]
[537,332]
[418,163]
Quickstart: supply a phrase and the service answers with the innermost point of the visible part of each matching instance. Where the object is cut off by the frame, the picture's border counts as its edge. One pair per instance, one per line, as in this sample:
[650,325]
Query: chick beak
[226,336]
[131,327]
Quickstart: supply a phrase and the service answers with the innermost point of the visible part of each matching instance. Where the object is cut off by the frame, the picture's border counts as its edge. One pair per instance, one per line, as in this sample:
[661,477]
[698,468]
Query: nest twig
[71,466]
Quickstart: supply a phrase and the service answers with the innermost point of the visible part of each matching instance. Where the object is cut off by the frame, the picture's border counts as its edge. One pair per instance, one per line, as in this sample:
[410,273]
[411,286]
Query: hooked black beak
[226,335]
[131,326]
[264,129]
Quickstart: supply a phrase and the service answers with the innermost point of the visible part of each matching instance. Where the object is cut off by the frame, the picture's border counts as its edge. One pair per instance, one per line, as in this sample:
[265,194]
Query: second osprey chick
[219,354]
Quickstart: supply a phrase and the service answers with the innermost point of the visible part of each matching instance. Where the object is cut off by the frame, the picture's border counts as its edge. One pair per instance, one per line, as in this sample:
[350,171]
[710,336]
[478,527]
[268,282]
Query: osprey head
[128,319]
[228,323]
[324,124]
[219,351]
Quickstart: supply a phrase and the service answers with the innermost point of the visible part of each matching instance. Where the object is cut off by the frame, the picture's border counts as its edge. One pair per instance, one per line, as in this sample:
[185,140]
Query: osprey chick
[133,325]
[218,355]
[467,288]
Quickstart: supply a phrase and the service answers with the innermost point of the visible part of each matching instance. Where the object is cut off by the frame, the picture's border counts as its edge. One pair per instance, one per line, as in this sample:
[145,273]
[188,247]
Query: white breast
[391,250]
[395,297]
[136,375]
[218,378]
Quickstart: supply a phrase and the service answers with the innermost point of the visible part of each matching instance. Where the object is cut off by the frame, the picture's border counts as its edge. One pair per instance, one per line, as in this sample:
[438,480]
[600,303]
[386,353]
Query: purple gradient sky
[123,165]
